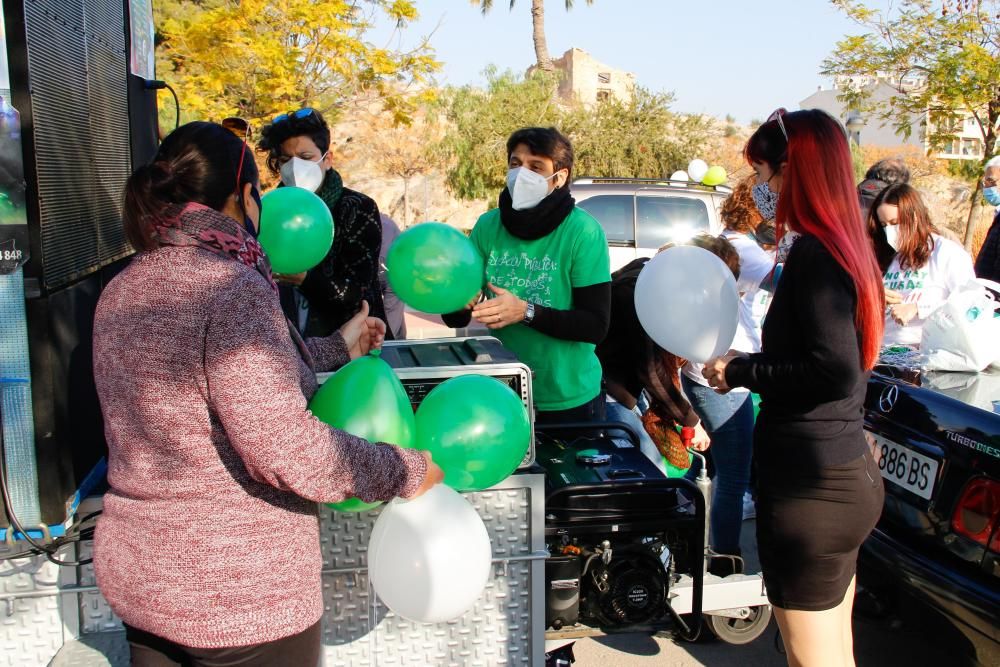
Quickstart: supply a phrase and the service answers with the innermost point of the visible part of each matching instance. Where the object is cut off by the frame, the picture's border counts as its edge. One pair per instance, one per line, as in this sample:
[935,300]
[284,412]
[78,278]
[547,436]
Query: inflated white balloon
[429,558]
[679,175]
[697,170]
[687,302]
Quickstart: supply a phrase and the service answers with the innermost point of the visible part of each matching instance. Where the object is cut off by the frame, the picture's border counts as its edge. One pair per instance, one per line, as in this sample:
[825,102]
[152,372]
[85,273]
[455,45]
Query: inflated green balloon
[715,175]
[476,428]
[756,405]
[366,399]
[434,268]
[296,229]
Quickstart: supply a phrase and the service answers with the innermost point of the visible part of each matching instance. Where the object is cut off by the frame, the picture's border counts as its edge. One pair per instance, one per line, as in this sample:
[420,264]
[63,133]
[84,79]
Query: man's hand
[362,333]
[501,311]
[294,279]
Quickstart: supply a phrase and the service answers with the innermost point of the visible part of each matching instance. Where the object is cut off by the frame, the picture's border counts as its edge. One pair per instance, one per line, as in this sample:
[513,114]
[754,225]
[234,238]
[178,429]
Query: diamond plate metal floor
[102,649]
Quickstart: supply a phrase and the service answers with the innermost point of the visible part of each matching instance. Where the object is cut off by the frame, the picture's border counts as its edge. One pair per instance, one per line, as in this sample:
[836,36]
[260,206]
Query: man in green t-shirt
[549,278]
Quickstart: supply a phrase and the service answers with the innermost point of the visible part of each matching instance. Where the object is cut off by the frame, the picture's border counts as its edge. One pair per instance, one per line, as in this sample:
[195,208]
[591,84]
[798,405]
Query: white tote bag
[964,333]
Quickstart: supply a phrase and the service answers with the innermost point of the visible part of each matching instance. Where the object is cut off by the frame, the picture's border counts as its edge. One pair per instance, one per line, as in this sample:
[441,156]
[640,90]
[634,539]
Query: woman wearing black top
[819,489]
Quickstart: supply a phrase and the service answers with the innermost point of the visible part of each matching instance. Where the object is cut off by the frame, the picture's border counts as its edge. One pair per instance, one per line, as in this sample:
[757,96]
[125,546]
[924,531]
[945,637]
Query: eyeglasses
[989,182]
[304,112]
[778,113]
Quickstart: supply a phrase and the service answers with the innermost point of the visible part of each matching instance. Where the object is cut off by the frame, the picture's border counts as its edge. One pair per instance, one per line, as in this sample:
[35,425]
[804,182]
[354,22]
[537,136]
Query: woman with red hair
[819,490]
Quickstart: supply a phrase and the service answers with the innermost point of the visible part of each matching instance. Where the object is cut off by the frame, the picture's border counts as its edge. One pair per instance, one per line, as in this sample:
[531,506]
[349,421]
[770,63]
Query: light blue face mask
[992,195]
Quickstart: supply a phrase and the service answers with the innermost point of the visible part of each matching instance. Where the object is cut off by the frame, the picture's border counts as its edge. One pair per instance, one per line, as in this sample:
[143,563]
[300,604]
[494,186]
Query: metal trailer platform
[57,617]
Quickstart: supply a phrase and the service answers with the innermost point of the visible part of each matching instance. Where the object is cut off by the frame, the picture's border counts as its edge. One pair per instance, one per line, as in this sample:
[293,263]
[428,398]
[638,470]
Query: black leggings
[148,650]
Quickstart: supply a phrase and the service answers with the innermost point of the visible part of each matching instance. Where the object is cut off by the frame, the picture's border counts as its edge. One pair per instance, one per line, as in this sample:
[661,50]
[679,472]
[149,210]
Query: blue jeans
[728,418]
[619,413]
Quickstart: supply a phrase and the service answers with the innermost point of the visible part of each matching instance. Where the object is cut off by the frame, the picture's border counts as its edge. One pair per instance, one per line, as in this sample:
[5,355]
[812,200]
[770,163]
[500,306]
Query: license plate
[904,467]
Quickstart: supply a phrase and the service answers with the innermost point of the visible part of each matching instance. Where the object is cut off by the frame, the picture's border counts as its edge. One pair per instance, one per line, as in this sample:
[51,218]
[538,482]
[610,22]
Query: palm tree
[538,27]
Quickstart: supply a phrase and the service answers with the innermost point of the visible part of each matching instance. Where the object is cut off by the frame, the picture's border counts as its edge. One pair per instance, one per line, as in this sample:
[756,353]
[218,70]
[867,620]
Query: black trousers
[149,650]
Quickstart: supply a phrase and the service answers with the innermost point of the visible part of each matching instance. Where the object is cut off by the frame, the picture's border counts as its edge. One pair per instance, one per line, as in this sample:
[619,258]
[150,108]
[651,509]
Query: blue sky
[728,56]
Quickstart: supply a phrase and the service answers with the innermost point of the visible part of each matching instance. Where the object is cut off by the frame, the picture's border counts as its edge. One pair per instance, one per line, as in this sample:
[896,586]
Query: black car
[937,439]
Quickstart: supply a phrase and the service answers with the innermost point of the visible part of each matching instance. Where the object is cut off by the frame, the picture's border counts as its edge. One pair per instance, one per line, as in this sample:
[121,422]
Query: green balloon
[296,229]
[434,268]
[715,176]
[477,430]
[756,405]
[366,399]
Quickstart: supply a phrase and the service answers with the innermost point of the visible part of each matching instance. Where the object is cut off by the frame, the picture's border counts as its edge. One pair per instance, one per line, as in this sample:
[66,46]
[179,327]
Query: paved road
[911,640]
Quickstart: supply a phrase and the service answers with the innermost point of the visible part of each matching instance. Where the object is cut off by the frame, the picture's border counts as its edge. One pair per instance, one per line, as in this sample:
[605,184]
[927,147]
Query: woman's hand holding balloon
[501,311]
[715,371]
[433,476]
[362,333]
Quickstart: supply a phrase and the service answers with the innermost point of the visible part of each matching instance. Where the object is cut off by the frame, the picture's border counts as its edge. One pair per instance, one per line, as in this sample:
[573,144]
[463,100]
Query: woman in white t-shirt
[926,269]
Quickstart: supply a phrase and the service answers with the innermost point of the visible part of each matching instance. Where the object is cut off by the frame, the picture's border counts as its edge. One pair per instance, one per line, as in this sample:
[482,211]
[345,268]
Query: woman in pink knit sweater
[208,548]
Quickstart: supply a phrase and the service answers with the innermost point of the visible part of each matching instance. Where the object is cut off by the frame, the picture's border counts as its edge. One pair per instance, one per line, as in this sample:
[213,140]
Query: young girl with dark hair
[212,450]
[819,489]
[924,267]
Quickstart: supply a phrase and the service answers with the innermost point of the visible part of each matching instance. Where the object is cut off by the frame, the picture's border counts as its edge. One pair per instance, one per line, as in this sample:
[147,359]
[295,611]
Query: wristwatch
[529,313]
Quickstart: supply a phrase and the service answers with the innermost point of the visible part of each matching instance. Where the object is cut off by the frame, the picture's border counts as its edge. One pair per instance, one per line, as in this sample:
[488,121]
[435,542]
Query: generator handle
[600,427]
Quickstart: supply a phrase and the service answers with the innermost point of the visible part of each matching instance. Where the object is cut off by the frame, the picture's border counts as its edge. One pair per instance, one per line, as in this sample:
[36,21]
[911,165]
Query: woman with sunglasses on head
[819,491]
[924,267]
[208,547]
[298,149]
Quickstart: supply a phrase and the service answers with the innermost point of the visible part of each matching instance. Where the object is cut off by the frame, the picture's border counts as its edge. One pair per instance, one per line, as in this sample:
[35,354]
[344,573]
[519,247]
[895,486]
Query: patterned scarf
[198,226]
[331,188]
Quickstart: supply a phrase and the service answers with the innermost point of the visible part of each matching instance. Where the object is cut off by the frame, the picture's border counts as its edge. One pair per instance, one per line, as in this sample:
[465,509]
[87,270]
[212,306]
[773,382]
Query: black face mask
[247,222]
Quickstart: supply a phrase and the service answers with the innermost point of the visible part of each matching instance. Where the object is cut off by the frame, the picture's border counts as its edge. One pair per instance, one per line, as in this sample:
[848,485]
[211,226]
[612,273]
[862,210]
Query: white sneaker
[749,509]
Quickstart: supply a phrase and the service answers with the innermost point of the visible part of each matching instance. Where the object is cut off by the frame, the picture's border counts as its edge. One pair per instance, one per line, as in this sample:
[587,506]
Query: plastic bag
[964,333]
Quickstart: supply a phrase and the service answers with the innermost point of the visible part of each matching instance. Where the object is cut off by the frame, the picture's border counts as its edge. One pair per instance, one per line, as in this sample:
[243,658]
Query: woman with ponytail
[208,547]
[819,489]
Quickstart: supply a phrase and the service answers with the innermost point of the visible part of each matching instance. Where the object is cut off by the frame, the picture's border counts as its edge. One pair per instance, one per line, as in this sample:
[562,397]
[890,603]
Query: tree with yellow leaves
[257,58]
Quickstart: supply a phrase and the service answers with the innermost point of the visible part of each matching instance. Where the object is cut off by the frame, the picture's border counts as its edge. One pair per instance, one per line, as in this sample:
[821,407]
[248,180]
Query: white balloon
[697,170]
[687,302]
[680,175]
[429,559]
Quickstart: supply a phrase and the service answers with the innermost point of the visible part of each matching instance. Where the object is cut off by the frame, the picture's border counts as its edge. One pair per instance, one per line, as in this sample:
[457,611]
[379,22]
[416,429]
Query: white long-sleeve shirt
[949,268]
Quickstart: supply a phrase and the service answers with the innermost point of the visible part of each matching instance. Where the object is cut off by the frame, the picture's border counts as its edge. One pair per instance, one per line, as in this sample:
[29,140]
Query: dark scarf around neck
[331,188]
[540,221]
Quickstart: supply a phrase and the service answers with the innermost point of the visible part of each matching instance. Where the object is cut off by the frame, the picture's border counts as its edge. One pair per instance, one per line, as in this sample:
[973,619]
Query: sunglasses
[778,113]
[305,112]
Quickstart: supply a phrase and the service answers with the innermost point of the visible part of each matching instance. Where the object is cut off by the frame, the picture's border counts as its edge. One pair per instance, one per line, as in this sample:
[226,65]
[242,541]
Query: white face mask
[527,189]
[892,236]
[304,174]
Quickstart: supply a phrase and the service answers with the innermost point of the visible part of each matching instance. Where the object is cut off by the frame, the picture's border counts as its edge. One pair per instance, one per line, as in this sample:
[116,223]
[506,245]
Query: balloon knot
[375,353]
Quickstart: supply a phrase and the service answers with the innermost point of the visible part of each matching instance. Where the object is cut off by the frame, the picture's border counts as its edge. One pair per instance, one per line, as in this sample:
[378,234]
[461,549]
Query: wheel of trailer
[740,630]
